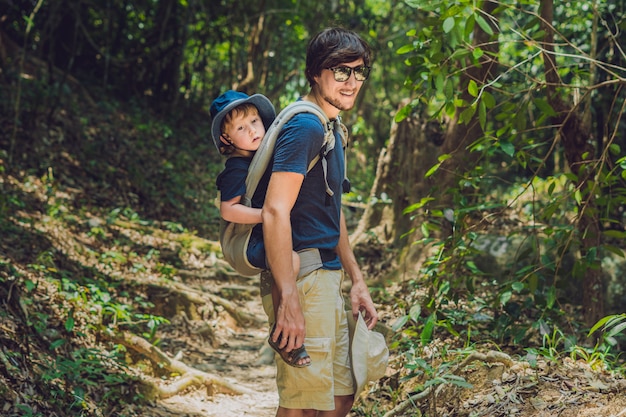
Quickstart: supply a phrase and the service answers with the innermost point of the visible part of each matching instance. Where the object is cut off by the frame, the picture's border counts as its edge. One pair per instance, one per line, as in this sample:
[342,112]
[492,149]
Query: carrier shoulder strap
[263,155]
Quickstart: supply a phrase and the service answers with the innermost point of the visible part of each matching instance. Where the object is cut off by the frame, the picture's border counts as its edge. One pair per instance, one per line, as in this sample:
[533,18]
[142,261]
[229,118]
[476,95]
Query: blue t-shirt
[315,217]
[231,182]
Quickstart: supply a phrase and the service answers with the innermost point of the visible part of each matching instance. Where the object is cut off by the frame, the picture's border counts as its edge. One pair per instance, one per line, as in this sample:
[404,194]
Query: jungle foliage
[533,100]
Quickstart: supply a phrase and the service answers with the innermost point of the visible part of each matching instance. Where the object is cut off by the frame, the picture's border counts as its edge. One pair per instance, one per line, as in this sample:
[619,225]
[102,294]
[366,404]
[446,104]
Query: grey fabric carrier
[234,237]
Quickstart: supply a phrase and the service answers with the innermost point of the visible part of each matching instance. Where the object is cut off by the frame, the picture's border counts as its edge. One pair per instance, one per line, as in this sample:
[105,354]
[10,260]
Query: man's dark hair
[332,47]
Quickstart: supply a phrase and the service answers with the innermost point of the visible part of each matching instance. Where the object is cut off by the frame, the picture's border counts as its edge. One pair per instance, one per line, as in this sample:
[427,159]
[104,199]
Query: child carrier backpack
[234,237]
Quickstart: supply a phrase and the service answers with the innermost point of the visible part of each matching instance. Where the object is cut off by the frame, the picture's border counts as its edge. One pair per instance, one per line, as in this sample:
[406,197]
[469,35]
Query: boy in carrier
[238,126]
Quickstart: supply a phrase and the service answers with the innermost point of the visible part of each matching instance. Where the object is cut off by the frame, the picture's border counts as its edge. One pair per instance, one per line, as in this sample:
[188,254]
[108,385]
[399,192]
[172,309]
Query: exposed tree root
[190,377]
[490,357]
[195,297]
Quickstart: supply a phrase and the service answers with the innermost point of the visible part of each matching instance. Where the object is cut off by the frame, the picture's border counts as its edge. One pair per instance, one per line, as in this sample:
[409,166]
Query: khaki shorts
[327,343]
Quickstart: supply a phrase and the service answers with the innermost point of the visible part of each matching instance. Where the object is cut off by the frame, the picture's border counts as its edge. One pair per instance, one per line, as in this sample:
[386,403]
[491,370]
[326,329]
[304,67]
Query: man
[300,214]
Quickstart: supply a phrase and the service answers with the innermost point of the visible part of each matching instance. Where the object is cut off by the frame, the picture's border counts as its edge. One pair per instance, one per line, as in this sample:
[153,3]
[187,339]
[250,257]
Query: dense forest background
[487,207]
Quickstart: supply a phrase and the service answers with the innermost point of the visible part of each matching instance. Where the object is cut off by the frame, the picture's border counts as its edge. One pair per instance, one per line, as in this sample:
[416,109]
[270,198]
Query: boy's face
[245,130]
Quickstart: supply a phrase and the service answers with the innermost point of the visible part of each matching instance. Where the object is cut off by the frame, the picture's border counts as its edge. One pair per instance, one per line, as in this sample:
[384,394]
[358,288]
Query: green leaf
[551,297]
[399,323]
[533,283]
[482,114]
[615,149]
[469,26]
[615,234]
[471,265]
[439,82]
[600,323]
[403,113]
[483,24]
[578,197]
[488,99]
[432,170]
[415,312]
[505,297]
[448,24]
[477,53]
[508,148]
[544,107]
[416,4]
[459,53]
[451,109]
[444,289]
[517,286]
[57,343]
[617,329]
[427,333]
[415,206]
[458,381]
[466,115]
[405,49]
[617,251]
[472,88]
[30,285]
[551,188]
[69,324]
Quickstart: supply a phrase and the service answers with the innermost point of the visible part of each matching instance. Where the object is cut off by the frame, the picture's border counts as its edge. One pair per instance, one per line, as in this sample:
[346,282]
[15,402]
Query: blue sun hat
[231,99]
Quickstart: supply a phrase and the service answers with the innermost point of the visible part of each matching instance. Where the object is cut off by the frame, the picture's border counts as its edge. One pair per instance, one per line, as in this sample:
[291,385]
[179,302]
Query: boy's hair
[332,47]
[243,109]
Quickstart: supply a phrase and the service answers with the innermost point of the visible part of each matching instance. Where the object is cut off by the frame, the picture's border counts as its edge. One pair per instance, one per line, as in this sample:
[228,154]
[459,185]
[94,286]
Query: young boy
[238,127]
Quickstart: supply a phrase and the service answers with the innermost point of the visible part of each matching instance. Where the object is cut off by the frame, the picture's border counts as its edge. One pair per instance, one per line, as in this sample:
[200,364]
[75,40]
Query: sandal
[291,358]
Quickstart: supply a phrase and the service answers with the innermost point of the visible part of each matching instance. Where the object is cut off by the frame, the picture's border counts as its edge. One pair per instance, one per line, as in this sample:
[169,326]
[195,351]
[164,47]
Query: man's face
[339,94]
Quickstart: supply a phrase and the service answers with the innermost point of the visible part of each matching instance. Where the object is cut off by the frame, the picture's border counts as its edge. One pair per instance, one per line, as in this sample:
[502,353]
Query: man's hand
[361,301]
[290,324]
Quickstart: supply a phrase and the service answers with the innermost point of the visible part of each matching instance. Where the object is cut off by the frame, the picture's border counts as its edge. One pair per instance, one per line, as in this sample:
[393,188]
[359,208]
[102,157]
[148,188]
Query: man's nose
[351,79]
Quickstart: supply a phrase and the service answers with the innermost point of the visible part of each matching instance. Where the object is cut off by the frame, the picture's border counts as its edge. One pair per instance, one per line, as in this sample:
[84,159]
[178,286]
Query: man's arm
[360,297]
[281,196]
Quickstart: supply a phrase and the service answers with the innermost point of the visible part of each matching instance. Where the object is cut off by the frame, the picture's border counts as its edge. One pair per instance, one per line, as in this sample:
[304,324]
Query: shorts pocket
[308,283]
[316,377]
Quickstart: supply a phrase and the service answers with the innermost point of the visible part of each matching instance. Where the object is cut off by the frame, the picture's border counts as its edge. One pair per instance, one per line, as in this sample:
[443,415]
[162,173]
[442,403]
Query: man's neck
[331,111]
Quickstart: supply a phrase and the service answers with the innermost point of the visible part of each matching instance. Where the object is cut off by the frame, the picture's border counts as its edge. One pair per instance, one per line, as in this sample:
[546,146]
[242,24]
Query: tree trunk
[577,143]
[249,83]
[412,150]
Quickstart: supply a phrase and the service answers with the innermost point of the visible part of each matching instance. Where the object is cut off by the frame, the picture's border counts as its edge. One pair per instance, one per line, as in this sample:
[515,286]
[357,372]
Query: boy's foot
[298,358]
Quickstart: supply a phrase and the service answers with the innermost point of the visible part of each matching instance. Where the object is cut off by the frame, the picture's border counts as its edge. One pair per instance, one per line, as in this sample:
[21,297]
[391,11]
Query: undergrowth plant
[72,371]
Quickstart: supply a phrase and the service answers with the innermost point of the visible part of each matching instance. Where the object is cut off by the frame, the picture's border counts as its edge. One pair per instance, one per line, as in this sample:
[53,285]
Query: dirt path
[243,360]
[242,357]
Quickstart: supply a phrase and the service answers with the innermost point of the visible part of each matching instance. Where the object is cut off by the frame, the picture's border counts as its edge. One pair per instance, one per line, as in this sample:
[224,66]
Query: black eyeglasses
[342,73]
